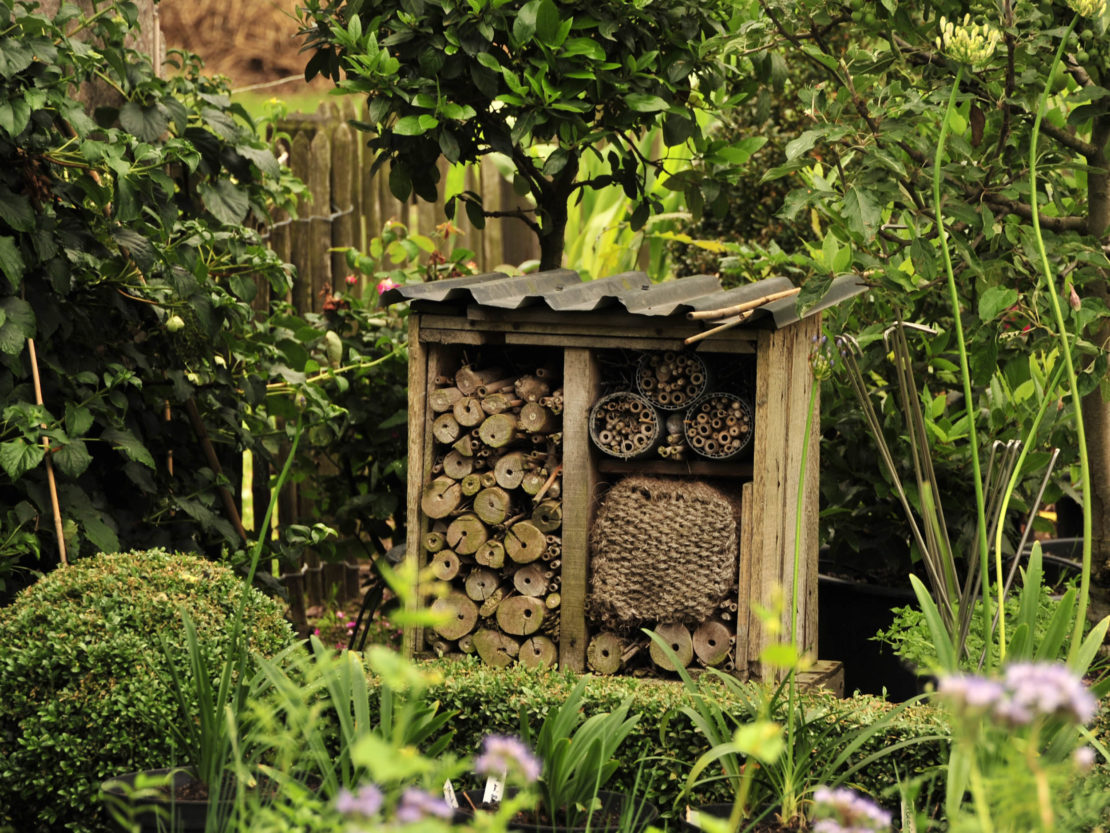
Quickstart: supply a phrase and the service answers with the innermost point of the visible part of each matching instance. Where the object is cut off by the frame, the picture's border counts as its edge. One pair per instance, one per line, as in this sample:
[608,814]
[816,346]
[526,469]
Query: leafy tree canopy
[540,82]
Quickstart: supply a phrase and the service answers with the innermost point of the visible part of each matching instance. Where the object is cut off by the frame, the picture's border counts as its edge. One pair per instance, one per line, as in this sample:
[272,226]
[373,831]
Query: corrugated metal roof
[563,290]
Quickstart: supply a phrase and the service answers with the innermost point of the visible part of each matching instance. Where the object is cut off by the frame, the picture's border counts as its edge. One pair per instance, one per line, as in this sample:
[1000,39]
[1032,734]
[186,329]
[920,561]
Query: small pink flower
[352,280]
[339,614]
[315,631]
[350,625]
[1073,299]
[386,284]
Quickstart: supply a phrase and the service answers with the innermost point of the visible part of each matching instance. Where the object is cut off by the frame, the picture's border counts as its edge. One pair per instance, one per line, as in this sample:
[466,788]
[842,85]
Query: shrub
[490,701]
[83,680]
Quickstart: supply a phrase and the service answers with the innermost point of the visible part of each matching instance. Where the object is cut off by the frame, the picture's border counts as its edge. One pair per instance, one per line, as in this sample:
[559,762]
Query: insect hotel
[588,460]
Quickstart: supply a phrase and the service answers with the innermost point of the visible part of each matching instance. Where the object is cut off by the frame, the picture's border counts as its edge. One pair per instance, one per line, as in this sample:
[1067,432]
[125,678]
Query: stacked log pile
[496,514]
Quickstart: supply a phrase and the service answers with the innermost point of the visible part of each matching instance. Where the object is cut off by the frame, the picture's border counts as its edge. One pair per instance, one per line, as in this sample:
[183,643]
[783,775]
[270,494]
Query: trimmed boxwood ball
[84,686]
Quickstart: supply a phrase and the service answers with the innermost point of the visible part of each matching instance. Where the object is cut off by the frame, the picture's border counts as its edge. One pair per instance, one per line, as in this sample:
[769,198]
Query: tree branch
[1077,72]
[1024,211]
[1069,140]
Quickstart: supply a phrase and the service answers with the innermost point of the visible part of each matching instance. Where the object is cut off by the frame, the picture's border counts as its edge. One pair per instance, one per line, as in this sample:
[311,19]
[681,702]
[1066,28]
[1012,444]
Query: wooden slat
[675,468]
[794,418]
[343,155]
[769,479]
[493,250]
[612,325]
[741,655]
[419,466]
[299,161]
[612,318]
[442,336]
[580,388]
[319,183]
[811,501]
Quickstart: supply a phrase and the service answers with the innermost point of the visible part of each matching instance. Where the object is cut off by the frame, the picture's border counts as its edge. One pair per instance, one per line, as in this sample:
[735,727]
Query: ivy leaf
[73,458]
[123,440]
[228,203]
[147,122]
[11,262]
[18,326]
[20,456]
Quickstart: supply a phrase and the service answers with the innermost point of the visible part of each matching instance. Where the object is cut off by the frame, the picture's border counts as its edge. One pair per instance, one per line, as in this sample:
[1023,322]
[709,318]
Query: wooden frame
[768,486]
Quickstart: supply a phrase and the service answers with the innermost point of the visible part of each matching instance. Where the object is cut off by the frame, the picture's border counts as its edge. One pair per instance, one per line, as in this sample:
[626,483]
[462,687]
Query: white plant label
[449,795]
[495,787]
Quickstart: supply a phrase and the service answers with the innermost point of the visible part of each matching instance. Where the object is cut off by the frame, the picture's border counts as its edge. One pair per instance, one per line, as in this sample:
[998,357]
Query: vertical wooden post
[580,388]
[418,468]
[783,384]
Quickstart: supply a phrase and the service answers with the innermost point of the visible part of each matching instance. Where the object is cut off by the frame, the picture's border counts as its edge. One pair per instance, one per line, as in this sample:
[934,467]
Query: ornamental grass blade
[942,641]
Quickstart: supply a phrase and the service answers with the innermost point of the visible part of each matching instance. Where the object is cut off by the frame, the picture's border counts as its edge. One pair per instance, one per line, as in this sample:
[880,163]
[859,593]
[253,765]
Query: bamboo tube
[55,505]
[725,312]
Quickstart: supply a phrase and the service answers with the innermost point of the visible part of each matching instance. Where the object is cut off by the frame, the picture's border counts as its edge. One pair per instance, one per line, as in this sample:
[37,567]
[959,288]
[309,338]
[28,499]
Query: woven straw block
[661,550]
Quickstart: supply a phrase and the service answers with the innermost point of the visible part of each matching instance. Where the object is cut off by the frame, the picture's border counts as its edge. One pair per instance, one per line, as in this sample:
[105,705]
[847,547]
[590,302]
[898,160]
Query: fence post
[319,230]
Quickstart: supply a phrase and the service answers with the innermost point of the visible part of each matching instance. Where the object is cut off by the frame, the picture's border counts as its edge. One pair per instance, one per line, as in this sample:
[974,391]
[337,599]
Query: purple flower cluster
[416,805]
[366,802]
[1027,691]
[844,811]
[505,754]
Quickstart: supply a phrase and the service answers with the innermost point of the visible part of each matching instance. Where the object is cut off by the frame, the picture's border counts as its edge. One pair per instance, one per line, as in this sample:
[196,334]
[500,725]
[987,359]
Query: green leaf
[148,123]
[123,440]
[582,46]
[995,301]
[20,456]
[15,210]
[262,158]
[524,27]
[643,103]
[863,213]
[18,326]
[740,152]
[548,23]
[475,215]
[226,201]
[11,262]
[72,458]
[79,419]
[244,287]
[14,115]
[409,126]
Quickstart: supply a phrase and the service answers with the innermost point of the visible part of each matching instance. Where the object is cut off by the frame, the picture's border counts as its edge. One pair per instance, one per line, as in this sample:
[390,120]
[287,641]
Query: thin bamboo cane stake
[720,328]
[54,505]
[713,314]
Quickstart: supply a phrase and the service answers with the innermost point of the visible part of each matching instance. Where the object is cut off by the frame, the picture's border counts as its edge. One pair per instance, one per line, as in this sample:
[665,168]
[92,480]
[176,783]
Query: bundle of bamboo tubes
[495,510]
[719,426]
[671,381]
[624,424]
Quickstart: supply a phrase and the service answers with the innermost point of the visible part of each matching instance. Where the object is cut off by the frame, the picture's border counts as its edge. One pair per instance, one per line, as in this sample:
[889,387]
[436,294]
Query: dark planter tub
[850,612]
[161,812]
[614,806]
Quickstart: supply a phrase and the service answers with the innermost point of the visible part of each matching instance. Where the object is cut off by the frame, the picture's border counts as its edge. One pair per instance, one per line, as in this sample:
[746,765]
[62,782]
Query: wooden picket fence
[347,206]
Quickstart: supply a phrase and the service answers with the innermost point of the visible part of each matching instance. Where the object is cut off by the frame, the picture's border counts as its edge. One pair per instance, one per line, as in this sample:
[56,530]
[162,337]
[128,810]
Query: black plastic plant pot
[850,612]
[605,819]
[161,812]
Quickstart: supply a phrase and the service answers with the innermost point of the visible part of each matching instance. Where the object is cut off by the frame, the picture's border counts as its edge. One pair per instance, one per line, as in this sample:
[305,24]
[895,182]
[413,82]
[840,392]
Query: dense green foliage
[658,758]
[125,261]
[543,84]
[128,261]
[84,688]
